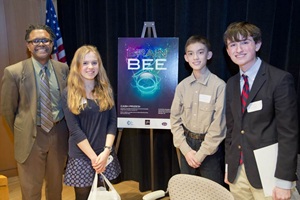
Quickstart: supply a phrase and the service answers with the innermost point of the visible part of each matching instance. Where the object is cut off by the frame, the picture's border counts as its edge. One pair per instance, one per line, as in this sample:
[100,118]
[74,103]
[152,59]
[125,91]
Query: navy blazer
[276,121]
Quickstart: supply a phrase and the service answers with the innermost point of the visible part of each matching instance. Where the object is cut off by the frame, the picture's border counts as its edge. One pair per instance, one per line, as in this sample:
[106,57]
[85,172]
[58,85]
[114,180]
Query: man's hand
[281,194]
[226,178]
[191,159]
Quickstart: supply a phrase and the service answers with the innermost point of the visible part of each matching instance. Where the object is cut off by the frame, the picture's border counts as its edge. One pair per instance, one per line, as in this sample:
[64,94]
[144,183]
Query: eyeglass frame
[37,41]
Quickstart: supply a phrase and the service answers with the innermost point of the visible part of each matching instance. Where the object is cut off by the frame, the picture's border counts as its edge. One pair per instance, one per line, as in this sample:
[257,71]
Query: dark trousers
[212,167]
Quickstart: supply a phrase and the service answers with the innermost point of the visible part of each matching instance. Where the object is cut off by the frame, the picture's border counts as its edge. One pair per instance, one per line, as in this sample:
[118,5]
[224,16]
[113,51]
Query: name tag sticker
[255,106]
[83,101]
[204,98]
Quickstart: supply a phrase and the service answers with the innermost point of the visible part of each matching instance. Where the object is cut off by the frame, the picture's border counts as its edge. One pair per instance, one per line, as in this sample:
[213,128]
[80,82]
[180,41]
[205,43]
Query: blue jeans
[212,166]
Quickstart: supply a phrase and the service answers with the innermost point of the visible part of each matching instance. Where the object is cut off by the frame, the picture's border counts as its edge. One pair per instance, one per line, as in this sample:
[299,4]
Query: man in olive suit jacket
[40,154]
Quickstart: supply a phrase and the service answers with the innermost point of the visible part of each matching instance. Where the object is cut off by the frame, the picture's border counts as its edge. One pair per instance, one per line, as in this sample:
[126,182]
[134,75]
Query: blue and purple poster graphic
[147,78]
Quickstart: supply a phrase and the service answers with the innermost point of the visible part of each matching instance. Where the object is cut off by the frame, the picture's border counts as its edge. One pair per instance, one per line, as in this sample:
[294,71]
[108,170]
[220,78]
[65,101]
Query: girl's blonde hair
[102,92]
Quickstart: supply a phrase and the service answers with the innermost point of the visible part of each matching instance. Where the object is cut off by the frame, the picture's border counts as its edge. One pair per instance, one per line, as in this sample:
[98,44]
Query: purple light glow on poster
[147,78]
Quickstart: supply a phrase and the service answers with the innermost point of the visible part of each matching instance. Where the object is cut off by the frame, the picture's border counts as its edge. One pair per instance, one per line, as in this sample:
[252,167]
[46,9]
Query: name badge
[83,101]
[255,106]
[204,98]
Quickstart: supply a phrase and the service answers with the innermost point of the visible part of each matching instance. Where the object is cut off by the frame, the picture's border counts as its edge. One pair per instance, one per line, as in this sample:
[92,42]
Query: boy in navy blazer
[270,117]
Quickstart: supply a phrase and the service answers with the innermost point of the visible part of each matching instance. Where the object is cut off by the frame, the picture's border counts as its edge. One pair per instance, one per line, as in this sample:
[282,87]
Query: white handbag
[100,193]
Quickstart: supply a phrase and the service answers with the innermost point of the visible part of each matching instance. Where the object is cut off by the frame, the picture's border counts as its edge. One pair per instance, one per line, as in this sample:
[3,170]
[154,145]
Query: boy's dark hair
[198,38]
[39,26]
[244,29]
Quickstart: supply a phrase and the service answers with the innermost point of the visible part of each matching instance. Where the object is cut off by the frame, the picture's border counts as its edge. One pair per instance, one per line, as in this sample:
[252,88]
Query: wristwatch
[108,147]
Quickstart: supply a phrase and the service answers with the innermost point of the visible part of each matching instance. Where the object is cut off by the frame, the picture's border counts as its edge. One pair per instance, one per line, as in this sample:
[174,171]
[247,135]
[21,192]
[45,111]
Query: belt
[196,136]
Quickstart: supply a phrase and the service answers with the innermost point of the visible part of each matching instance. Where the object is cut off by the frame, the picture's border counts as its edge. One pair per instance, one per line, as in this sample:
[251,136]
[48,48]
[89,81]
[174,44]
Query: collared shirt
[57,110]
[251,73]
[199,105]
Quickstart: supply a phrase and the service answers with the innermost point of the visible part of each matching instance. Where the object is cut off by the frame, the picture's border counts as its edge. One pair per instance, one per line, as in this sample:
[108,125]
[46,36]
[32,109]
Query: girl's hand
[100,162]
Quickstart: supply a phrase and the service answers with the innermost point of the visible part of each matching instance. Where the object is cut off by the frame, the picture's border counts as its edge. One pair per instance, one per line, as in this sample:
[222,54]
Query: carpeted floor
[128,190]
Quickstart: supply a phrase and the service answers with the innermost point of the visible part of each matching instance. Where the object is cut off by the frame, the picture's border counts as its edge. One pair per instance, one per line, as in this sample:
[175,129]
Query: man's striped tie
[46,108]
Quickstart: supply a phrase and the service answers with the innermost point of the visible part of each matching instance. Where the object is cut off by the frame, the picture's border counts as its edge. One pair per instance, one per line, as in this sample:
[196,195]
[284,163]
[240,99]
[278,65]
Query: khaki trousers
[241,189]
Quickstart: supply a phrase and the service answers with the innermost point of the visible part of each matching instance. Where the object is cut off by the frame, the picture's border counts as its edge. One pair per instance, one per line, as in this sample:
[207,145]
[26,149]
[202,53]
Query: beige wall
[15,17]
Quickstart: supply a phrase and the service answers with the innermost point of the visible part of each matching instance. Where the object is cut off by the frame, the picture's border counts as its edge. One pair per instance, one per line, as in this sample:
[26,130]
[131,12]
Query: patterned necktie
[244,97]
[46,108]
[245,93]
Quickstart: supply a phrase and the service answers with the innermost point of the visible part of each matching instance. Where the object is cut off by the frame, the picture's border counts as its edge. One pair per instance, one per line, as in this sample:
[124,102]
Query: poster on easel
[147,79]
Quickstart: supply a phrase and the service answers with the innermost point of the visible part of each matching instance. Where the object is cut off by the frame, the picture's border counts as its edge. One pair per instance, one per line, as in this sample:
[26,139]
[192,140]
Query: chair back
[191,187]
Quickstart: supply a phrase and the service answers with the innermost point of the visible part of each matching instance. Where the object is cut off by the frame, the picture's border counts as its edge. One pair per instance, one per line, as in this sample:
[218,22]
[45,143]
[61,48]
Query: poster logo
[147,122]
[129,123]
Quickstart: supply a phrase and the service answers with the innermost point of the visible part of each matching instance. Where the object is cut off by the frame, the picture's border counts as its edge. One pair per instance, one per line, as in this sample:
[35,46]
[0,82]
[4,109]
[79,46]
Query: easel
[148,26]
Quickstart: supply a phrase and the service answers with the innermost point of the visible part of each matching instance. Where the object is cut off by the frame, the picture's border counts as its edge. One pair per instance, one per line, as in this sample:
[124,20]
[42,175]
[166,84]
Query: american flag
[51,21]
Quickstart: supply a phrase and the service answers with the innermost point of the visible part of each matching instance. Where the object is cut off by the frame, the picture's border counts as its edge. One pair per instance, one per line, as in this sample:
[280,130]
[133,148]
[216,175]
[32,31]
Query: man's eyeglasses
[45,41]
